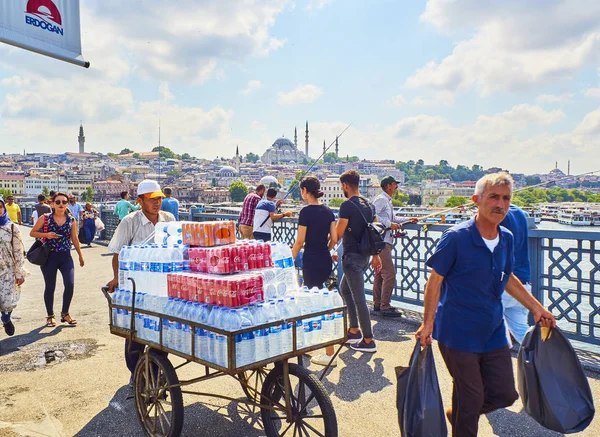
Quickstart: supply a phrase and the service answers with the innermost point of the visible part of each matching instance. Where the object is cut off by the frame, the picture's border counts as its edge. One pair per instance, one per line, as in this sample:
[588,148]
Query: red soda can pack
[234,258]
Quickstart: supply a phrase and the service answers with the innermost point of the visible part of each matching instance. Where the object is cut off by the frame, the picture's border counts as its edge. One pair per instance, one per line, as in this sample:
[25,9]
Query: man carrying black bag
[471,267]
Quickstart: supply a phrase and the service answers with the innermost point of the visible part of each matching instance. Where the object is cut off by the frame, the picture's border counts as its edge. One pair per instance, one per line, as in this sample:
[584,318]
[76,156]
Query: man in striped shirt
[246,220]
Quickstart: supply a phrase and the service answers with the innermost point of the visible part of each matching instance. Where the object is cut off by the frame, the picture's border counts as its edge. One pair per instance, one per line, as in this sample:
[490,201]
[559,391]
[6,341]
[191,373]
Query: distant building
[14,183]
[226,175]
[81,139]
[283,151]
[332,189]
[437,193]
[111,190]
[35,184]
[214,195]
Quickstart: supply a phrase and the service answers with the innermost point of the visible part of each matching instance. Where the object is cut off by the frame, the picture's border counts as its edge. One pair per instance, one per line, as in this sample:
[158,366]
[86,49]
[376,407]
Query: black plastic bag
[552,384]
[418,398]
[81,235]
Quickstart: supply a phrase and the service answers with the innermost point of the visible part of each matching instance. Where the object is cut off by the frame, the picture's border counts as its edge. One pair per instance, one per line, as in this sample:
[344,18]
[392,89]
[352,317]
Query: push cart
[292,401]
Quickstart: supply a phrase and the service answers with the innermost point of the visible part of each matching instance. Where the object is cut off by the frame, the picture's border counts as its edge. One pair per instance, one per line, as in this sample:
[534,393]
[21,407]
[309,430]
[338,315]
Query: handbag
[39,250]
[99,224]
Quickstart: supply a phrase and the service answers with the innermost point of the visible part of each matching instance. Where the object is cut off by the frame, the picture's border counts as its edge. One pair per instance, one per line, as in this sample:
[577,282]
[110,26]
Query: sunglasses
[61,202]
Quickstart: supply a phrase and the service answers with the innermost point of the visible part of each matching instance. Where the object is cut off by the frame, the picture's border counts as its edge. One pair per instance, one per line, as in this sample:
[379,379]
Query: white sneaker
[323,360]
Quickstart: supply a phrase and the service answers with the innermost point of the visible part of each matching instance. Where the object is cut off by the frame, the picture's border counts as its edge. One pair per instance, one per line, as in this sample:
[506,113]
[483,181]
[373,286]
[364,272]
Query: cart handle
[106,293]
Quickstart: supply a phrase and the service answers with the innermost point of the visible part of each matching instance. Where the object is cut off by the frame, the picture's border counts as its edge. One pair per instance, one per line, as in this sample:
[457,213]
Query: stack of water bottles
[170,295]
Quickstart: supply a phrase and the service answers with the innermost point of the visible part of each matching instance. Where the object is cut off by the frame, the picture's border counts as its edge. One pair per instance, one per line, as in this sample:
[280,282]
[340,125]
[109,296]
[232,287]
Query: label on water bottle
[123,265]
[156,267]
[166,267]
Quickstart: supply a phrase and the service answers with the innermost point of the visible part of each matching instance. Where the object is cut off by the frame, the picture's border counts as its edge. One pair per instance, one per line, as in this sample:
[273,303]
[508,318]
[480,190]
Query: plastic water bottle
[261,336]
[221,339]
[316,325]
[124,259]
[274,331]
[338,316]
[185,252]
[126,302]
[285,313]
[305,304]
[233,322]
[295,311]
[188,313]
[115,314]
[177,333]
[286,254]
[213,320]
[328,320]
[245,349]
[166,334]
[202,350]
[177,259]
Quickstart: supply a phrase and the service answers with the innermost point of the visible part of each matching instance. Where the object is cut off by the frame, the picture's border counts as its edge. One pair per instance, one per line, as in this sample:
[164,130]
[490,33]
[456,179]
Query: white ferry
[574,218]
[535,213]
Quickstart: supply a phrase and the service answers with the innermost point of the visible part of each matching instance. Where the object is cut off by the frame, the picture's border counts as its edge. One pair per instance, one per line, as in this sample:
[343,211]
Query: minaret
[296,137]
[337,147]
[306,145]
[569,168]
[81,139]
[323,147]
[237,158]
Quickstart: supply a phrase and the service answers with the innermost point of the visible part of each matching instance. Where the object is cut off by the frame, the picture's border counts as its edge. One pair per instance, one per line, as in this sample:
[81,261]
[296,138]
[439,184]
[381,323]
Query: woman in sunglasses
[60,231]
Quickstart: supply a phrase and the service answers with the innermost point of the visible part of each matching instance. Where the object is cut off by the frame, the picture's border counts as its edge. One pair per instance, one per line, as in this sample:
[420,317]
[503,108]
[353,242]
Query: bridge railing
[565,268]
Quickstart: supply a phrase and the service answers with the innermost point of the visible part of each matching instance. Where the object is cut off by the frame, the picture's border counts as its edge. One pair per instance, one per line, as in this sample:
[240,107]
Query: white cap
[148,186]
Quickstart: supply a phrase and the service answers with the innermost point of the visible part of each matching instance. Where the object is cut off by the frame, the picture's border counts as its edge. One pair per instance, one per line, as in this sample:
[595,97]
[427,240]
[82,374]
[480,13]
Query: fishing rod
[471,203]
[296,181]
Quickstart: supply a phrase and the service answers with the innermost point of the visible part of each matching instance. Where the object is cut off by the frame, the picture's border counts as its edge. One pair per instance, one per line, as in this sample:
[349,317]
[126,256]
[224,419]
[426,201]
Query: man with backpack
[356,228]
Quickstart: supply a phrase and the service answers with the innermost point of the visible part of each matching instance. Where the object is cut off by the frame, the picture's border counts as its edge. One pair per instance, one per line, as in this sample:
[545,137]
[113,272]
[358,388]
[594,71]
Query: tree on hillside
[455,201]
[165,152]
[238,191]
[330,157]
[125,151]
[251,157]
[88,195]
[336,202]
[186,156]
[414,199]
[532,180]
[5,192]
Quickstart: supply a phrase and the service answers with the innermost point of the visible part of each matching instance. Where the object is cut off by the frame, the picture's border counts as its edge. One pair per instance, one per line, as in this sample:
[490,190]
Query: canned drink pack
[208,234]
[233,258]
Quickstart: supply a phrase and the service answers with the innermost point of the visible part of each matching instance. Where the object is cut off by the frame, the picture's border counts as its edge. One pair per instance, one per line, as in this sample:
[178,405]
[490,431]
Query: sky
[508,84]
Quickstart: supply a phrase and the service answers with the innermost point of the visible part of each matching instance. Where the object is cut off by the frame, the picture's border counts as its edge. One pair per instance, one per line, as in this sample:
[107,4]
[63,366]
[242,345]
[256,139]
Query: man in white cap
[136,228]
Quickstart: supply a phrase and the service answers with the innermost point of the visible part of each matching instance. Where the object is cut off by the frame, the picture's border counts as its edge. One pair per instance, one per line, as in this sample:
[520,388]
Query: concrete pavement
[72,381]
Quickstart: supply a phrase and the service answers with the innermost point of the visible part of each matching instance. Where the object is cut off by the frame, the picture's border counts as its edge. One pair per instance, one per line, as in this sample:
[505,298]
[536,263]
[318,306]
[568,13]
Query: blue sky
[511,84]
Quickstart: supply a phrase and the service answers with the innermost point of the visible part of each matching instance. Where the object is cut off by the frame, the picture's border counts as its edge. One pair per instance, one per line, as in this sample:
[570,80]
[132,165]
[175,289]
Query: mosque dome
[283,143]
[269,180]
[227,171]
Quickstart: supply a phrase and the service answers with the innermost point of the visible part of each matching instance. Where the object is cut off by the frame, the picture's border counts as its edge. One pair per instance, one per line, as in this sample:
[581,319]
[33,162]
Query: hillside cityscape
[101,177]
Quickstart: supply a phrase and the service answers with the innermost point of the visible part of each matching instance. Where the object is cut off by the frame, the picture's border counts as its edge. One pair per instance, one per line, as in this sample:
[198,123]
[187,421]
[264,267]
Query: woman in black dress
[316,233]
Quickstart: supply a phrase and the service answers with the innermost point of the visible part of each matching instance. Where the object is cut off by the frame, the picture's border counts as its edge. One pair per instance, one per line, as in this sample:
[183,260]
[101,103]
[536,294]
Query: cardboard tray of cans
[208,234]
[233,258]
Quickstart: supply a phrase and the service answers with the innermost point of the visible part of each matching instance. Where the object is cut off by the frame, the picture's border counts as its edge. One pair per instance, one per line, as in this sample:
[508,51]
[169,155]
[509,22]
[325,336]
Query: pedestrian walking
[316,233]
[89,216]
[265,215]
[40,209]
[135,229]
[385,280]
[59,229]
[516,315]
[472,265]
[124,206]
[75,208]
[170,204]
[246,219]
[12,268]
[13,210]
[351,225]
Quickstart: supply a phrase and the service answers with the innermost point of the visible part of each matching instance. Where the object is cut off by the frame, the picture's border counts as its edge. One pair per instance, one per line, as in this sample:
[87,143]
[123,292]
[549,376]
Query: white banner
[48,27]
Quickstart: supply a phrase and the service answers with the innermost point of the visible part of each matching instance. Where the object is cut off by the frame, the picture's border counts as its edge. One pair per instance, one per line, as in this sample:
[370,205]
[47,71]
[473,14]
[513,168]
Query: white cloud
[515,45]
[313,5]
[258,126]
[592,92]
[252,86]
[398,100]
[301,94]
[164,92]
[555,98]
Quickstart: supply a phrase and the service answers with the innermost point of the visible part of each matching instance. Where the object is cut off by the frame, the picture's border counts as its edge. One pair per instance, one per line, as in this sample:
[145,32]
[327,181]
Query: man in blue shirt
[516,314]
[265,215]
[170,204]
[472,266]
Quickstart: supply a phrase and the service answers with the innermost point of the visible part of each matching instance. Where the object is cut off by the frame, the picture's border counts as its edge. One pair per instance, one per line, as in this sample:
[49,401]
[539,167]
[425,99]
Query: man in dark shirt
[351,226]
[42,207]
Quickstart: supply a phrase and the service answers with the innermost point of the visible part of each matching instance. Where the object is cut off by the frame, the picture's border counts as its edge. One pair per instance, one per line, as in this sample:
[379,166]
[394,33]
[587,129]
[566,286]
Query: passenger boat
[574,218]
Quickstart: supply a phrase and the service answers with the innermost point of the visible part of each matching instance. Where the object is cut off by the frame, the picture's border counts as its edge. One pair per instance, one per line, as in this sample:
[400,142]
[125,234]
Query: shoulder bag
[39,250]
[372,240]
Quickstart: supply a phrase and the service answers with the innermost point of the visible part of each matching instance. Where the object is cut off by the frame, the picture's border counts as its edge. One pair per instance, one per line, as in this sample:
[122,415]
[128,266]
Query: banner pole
[75,61]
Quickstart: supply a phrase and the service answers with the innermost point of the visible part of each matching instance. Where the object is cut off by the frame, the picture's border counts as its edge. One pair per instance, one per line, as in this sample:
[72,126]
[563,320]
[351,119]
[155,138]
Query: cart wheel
[311,407]
[159,405]
[255,379]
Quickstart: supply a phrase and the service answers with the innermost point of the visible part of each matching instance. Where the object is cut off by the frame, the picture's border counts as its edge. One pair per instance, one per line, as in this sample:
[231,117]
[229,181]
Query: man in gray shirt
[134,229]
[385,279]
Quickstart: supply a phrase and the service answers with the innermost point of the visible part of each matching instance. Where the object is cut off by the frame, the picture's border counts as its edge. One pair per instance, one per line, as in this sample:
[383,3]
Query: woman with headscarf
[12,268]
[60,232]
[316,233]
[89,216]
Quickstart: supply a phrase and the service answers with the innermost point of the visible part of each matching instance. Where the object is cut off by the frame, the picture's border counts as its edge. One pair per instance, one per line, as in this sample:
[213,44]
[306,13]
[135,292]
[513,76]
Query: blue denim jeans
[352,289]
[516,317]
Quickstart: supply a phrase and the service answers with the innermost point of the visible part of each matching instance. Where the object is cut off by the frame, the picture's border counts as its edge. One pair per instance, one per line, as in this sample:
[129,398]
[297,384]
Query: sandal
[66,318]
[50,321]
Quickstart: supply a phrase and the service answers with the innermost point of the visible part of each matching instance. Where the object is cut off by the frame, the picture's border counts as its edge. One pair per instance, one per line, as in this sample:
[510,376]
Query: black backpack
[372,240]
